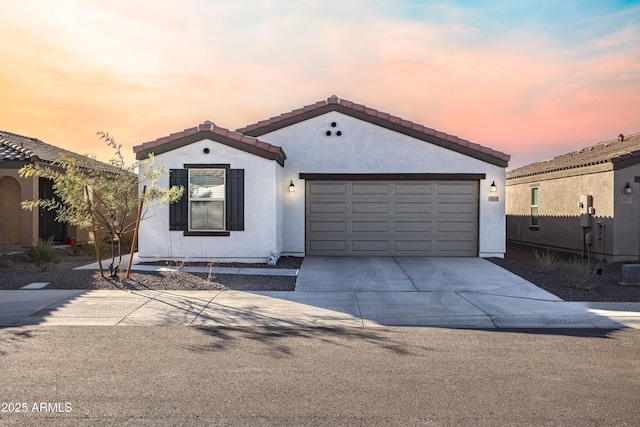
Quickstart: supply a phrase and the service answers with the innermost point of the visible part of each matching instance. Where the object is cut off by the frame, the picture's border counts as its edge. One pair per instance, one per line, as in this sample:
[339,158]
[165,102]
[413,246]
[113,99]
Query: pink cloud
[141,73]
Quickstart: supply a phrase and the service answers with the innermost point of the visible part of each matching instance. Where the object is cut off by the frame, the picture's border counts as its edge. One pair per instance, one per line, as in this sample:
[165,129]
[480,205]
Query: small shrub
[43,254]
[4,252]
[210,274]
[544,261]
[103,245]
[176,264]
[4,256]
[581,274]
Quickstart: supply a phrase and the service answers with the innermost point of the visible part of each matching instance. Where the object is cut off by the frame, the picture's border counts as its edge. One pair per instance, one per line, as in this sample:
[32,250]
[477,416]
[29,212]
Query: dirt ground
[567,275]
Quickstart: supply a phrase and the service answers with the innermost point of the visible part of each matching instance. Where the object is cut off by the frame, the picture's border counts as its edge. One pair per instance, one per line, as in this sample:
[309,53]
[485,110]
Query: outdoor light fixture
[292,188]
[493,187]
[628,189]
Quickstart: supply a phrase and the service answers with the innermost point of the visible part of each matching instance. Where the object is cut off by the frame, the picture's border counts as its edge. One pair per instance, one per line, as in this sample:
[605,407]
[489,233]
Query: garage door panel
[454,246]
[456,188]
[413,188]
[421,218]
[405,246]
[370,188]
[448,207]
[412,226]
[366,246]
[370,226]
[367,207]
[412,207]
[338,246]
[326,207]
[456,227]
[327,188]
[328,226]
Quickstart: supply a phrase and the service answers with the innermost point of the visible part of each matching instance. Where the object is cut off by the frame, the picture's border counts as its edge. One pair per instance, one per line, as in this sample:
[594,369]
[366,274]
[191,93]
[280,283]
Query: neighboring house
[20,227]
[586,201]
[353,181]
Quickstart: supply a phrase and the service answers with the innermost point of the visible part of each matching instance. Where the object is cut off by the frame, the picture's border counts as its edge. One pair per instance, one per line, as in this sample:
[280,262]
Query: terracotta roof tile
[395,119]
[611,151]
[190,131]
[207,126]
[248,140]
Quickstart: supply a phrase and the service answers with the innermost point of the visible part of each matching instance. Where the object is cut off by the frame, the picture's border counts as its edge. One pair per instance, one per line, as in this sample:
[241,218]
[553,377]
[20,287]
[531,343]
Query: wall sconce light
[628,189]
[292,188]
[493,187]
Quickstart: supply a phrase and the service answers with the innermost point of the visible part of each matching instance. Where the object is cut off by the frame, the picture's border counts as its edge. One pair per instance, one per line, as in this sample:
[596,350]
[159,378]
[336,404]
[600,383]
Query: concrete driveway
[454,292]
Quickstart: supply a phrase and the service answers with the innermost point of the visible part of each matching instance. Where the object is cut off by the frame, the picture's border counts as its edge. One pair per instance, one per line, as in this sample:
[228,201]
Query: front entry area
[48,227]
[391,218]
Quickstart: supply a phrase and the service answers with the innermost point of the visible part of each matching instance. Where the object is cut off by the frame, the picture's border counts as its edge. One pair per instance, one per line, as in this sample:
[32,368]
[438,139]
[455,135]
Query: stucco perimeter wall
[261,198]
[367,148]
[559,215]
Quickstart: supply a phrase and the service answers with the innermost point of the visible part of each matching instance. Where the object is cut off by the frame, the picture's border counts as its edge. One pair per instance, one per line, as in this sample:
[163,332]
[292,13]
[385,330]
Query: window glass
[206,199]
[534,207]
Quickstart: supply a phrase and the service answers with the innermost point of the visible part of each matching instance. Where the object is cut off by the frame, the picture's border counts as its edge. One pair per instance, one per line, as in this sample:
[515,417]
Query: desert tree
[103,197]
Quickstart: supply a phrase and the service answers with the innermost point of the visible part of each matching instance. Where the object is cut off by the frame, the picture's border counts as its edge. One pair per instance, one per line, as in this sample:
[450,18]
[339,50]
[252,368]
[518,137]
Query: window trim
[197,232]
[535,190]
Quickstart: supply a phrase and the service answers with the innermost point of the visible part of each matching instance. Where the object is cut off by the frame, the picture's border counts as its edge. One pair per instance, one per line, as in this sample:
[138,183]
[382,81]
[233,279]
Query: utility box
[586,203]
[585,220]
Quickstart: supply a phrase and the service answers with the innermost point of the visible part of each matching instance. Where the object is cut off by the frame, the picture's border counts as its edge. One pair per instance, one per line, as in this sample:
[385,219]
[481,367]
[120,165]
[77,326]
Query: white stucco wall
[262,193]
[367,148]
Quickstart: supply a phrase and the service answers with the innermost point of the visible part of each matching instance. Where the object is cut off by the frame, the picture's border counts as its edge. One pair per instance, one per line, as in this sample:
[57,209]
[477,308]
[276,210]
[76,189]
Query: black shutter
[234,199]
[179,211]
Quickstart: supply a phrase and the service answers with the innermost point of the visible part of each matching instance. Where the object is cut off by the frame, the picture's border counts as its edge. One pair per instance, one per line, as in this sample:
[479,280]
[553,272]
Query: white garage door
[392,218]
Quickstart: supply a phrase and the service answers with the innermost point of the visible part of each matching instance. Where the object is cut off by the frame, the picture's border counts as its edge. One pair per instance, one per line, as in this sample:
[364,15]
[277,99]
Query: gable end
[243,143]
[381,119]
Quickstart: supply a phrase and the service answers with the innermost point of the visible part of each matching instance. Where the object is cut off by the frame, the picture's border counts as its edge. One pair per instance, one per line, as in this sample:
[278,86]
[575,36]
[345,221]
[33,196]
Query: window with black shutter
[212,203]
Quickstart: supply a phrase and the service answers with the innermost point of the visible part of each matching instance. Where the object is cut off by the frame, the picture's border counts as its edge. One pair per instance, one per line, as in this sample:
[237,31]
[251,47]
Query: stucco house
[332,178]
[586,201]
[20,227]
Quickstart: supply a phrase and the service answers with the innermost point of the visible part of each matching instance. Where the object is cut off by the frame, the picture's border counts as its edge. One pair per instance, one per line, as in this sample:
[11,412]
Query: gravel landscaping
[565,277]
[18,270]
[569,277]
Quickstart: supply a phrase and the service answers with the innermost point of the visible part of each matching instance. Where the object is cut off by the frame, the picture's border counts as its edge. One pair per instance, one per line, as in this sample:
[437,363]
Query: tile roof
[14,147]
[613,151]
[18,147]
[333,103]
[210,130]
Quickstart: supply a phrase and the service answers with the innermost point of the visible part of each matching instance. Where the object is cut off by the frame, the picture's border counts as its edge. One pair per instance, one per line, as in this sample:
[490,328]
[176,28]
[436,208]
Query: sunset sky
[534,79]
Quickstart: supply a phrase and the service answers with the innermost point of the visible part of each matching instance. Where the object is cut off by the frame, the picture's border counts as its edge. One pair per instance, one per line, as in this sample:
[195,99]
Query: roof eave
[172,144]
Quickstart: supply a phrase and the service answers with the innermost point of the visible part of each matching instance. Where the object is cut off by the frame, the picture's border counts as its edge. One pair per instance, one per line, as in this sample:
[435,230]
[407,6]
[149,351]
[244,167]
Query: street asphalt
[324,376]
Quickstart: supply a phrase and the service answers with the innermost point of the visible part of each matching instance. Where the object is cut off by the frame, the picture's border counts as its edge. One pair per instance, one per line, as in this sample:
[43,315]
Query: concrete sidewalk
[337,309]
